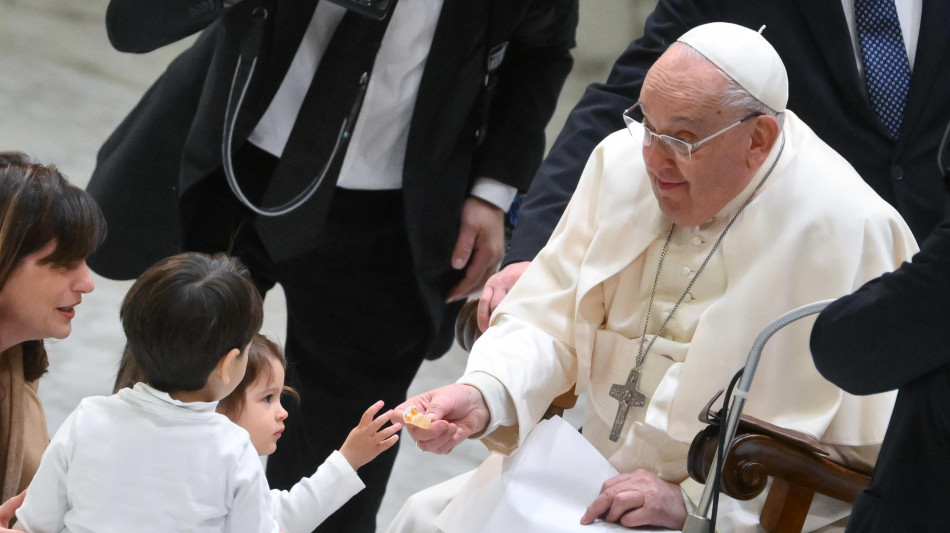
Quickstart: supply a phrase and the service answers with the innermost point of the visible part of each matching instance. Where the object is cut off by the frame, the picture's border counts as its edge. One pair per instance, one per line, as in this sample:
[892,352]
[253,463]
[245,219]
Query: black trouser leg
[357,333]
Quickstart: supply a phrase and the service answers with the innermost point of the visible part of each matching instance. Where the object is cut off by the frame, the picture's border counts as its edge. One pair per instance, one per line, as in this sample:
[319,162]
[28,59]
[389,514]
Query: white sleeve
[313,499]
[519,369]
[494,192]
[251,508]
[46,504]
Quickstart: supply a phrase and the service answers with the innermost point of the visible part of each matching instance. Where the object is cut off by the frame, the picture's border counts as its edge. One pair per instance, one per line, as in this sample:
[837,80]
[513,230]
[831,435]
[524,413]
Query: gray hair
[734,96]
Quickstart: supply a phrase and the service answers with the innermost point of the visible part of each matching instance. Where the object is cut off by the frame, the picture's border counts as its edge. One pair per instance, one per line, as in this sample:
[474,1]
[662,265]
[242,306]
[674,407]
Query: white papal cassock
[813,231]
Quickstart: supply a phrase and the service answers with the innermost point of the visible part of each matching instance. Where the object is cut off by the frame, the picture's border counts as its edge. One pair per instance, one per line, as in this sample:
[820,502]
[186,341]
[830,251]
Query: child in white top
[255,406]
[158,457]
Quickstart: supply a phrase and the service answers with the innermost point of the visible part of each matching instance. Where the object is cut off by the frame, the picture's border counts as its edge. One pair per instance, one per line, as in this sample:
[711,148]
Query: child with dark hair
[255,406]
[157,457]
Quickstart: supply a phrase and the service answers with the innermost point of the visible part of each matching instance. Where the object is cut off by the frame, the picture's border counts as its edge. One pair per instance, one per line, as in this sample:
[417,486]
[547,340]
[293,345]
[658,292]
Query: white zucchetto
[746,57]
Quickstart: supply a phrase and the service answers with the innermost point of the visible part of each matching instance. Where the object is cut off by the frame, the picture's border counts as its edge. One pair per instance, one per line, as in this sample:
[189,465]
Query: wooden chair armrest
[466,325]
[797,472]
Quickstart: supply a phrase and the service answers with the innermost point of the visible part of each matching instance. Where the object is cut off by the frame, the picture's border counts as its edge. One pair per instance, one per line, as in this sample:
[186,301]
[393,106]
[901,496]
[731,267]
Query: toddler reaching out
[255,405]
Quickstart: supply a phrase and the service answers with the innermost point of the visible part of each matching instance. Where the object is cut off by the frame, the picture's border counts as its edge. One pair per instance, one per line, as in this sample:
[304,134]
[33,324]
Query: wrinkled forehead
[681,87]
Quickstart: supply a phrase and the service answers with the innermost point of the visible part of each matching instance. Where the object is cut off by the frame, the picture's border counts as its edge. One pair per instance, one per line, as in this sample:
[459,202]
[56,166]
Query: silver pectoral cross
[628,396]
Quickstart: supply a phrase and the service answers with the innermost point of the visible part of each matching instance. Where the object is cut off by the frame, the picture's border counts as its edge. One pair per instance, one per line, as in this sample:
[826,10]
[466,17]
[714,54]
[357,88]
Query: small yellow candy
[414,417]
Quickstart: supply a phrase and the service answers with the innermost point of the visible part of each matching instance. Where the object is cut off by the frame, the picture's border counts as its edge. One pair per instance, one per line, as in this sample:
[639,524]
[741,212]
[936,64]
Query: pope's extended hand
[456,411]
[496,288]
[479,247]
[8,510]
[638,499]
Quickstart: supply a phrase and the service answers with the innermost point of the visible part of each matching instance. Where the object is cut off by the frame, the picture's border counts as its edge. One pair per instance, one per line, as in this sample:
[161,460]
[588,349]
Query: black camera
[377,9]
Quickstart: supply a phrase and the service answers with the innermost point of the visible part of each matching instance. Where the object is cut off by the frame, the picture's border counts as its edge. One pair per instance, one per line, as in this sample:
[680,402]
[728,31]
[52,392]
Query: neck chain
[643,352]
[627,394]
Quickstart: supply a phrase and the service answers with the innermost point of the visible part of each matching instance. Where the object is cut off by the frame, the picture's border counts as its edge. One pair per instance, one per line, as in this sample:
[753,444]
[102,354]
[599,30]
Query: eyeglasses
[679,147]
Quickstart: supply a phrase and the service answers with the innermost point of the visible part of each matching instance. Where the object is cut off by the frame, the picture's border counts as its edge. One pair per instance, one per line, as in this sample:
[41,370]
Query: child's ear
[223,368]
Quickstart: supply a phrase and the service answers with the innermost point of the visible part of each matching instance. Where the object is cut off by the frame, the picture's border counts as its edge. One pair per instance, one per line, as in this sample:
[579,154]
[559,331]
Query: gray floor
[63,90]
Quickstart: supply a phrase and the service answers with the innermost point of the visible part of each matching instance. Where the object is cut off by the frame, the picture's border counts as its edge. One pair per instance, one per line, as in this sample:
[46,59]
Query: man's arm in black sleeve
[537,61]
[140,26]
[892,330]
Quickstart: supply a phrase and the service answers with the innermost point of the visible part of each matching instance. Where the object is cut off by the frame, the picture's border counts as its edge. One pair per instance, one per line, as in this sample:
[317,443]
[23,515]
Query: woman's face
[39,300]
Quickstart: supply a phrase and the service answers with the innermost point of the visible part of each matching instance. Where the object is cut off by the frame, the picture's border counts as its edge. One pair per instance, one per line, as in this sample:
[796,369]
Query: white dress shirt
[377,150]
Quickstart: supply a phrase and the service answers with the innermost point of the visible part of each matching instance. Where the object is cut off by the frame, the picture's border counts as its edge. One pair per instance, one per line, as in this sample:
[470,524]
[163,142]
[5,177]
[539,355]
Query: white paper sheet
[544,487]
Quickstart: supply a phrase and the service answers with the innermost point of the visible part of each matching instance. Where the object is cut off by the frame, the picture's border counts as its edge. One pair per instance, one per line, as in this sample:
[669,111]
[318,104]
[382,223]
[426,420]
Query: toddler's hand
[367,440]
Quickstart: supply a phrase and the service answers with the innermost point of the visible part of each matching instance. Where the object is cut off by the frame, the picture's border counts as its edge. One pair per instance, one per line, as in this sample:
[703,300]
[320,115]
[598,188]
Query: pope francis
[661,273]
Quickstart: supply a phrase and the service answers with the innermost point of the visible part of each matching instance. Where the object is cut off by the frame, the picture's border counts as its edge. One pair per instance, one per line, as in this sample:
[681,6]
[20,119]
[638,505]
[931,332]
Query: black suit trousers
[357,329]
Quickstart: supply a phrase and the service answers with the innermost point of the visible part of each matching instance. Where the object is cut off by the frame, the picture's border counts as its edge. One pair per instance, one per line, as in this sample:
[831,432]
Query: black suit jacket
[893,334]
[825,90]
[172,139]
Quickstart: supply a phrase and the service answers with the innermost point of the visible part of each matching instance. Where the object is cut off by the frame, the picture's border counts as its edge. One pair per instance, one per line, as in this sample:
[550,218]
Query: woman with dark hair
[47,229]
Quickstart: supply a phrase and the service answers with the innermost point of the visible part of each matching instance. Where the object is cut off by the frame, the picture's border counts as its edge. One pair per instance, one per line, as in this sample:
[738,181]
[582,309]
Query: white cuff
[501,408]
[494,192]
